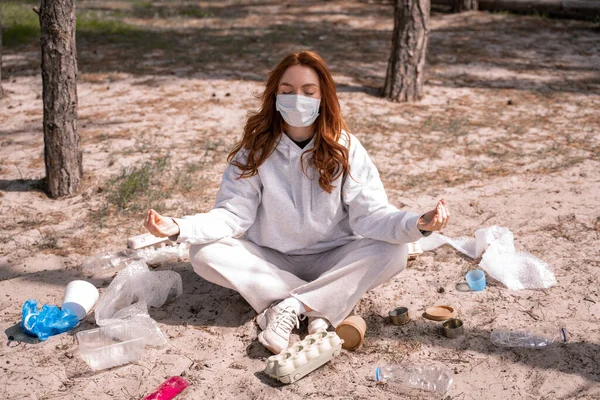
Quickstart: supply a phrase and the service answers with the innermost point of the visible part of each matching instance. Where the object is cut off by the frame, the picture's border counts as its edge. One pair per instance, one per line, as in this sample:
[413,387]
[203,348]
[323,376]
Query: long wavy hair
[264,128]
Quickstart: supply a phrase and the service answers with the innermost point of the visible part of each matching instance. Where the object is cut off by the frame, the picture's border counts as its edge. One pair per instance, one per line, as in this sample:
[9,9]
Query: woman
[301,224]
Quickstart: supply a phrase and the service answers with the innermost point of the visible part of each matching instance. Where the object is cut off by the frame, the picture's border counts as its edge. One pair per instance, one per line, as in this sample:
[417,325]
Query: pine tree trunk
[465,5]
[1,90]
[404,78]
[59,80]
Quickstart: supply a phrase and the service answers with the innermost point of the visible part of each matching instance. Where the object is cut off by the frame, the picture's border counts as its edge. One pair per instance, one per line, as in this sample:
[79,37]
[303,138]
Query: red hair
[263,128]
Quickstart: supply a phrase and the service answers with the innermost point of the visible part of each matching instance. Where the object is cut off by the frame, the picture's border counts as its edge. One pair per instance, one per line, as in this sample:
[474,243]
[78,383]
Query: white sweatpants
[330,283]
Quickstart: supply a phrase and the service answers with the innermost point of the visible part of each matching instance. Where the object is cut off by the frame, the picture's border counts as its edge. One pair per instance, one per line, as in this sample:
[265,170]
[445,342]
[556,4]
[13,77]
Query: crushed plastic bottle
[425,377]
[102,261]
[528,339]
[120,259]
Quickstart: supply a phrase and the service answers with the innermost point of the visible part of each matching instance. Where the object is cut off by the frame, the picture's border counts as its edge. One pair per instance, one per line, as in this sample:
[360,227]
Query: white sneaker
[277,323]
[316,324]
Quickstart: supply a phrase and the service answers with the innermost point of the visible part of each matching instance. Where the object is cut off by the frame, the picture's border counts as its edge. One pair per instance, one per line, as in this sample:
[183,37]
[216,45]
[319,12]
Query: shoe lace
[285,322]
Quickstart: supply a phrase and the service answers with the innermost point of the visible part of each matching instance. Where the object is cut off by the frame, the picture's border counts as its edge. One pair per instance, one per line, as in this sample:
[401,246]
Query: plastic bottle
[120,259]
[102,261]
[426,377]
[168,389]
[523,338]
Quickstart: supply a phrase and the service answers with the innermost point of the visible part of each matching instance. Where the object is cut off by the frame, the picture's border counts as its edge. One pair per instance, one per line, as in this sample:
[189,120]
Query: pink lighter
[168,389]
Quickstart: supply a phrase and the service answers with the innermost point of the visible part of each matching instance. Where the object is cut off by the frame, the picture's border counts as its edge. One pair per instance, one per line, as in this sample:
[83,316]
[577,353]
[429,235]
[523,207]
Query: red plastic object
[168,389]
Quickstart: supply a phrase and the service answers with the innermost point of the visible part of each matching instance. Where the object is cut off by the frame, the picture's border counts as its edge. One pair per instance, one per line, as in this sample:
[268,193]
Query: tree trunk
[465,5]
[59,80]
[404,78]
[1,90]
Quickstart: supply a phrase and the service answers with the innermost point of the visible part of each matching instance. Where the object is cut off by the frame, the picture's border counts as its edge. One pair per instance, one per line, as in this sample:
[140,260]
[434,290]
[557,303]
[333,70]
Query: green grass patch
[104,23]
[148,185]
[22,26]
[136,187]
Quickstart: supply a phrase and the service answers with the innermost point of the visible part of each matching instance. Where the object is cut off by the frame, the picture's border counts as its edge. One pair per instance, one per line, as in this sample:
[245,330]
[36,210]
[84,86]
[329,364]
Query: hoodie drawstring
[292,172]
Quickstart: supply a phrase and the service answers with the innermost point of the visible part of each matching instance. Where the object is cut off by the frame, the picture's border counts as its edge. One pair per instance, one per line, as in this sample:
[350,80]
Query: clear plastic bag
[130,294]
[516,270]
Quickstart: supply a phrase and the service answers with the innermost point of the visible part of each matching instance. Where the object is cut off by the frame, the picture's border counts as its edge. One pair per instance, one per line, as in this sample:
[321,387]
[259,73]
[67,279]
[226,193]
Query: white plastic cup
[80,298]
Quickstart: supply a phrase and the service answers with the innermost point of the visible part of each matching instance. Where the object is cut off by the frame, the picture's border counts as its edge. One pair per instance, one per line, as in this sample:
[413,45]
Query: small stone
[509,102]
[441,290]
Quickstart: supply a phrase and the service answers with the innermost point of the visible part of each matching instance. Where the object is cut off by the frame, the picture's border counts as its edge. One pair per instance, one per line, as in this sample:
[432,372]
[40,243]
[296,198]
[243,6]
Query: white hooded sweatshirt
[283,209]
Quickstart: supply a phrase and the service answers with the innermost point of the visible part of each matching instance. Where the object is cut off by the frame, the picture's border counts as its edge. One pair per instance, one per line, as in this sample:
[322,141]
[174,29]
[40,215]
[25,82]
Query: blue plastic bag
[50,321]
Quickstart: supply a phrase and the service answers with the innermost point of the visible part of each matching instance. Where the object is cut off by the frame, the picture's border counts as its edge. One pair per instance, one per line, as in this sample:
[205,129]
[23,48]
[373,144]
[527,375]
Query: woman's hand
[436,219]
[160,226]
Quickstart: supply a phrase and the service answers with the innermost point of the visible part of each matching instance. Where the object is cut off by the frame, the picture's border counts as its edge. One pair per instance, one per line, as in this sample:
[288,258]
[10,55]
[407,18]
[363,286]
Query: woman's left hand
[436,219]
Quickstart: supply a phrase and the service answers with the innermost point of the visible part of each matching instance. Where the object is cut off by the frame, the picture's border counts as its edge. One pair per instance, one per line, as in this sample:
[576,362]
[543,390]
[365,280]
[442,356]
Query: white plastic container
[111,345]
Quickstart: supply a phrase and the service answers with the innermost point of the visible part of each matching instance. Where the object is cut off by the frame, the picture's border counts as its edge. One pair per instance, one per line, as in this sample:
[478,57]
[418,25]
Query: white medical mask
[298,110]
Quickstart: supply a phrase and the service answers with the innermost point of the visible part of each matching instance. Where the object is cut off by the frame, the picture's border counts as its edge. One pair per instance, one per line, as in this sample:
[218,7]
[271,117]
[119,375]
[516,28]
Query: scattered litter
[425,377]
[504,337]
[169,389]
[122,314]
[112,345]
[50,321]
[304,357]
[516,270]
[440,313]
[146,247]
[80,297]
[476,280]
[129,295]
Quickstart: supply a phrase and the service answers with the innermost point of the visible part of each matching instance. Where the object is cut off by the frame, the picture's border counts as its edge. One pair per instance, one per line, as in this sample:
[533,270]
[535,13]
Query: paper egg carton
[304,357]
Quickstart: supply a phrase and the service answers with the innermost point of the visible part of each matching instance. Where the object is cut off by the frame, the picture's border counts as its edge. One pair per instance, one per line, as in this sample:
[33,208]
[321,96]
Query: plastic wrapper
[130,294]
[48,321]
[495,245]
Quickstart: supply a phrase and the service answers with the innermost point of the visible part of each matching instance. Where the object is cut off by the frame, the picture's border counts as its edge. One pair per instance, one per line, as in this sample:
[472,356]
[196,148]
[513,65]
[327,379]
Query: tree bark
[1,90]
[59,80]
[404,78]
[465,5]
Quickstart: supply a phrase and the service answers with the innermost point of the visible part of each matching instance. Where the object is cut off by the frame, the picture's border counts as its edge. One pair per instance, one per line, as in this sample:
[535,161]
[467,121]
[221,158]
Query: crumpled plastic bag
[48,321]
[516,270]
[131,292]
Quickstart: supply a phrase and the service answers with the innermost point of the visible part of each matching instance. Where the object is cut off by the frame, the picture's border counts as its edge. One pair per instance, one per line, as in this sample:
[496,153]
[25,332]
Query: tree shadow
[23,185]
[202,303]
[578,358]
[459,55]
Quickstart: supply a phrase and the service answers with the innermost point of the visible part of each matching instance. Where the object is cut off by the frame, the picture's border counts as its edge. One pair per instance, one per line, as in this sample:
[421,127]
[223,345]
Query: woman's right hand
[160,226]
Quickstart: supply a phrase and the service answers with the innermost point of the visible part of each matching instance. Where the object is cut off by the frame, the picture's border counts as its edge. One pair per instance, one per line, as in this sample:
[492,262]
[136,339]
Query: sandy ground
[508,133]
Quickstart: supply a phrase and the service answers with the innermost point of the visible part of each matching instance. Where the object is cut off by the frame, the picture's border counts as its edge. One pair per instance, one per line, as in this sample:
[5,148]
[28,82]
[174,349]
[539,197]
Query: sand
[508,133]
